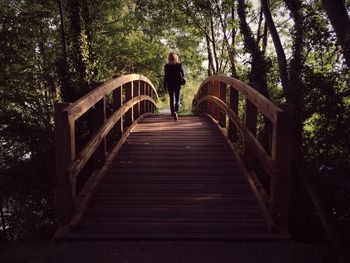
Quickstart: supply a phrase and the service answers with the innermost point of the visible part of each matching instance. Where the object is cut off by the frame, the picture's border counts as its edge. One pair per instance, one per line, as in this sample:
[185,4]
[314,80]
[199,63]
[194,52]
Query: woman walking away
[173,79]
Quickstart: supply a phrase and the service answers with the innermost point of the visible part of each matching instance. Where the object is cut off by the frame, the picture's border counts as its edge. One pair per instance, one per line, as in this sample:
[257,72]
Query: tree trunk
[265,37]
[210,57]
[281,56]
[217,69]
[296,92]
[258,73]
[63,61]
[3,222]
[338,15]
[230,47]
[80,52]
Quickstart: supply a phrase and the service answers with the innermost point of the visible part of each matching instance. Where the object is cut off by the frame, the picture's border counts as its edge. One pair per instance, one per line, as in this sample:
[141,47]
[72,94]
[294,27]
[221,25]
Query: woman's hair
[173,58]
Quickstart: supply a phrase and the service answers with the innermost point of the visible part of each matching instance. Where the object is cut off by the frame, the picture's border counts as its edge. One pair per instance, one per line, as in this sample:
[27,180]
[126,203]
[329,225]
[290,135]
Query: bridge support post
[128,89]
[117,103]
[148,103]
[142,92]
[99,118]
[151,104]
[250,122]
[136,93]
[222,114]
[65,153]
[282,148]
[232,129]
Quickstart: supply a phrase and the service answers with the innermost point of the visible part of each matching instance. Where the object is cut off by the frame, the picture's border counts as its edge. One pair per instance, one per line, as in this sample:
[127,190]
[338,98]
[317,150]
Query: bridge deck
[173,180]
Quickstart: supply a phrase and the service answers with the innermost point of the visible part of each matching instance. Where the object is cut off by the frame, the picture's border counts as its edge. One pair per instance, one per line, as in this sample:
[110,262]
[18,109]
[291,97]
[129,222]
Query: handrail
[269,109]
[133,97]
[82,105]
[211,99]
[261,154]
[75,167]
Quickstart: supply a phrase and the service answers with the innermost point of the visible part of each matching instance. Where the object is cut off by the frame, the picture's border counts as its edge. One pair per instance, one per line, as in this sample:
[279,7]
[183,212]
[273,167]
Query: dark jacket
[171,76]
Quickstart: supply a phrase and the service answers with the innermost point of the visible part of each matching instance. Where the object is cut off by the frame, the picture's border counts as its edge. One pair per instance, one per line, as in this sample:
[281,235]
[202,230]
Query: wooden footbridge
[142,175]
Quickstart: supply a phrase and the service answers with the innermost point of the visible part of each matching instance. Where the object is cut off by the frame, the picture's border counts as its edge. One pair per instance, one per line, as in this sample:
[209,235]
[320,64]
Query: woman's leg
[171,98]
[177,99]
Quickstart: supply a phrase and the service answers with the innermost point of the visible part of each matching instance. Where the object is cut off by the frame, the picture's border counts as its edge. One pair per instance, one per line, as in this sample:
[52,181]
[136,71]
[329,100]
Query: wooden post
[222,114]
[128,96]
[282,148]
[250,121]
[65,153]
[216,93]
[117,103]
[99,118]
[142,92]
[136,93]
[152,96]
[148,103]
[232,129]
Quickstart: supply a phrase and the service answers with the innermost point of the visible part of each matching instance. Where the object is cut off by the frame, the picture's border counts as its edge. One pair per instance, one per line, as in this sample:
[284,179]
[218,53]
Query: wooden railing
[133,96]
[211,100]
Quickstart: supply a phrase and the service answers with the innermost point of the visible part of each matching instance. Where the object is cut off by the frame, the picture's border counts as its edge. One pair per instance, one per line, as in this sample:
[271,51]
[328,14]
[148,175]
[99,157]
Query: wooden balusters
[222,114]
[233,104]
[250,119]
[142,92]
[117,103]
[151,104]
[99,118]
[129,115]
[136,93]
[148,92]
[65,153]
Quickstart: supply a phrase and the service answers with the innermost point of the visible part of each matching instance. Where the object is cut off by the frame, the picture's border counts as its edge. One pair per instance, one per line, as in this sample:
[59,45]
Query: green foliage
[108,38]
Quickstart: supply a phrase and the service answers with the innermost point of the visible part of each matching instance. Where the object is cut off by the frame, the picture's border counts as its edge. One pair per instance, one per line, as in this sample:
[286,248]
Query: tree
[339,18]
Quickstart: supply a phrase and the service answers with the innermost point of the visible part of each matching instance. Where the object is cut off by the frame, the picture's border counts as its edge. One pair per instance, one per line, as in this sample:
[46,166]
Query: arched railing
[133,96]
[218,97]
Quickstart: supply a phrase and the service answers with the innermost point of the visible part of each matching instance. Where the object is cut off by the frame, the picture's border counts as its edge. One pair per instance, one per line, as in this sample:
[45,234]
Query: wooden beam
[117,103]
[222,115]
[232,129]
[129,115]
[282,148]
[65,151]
